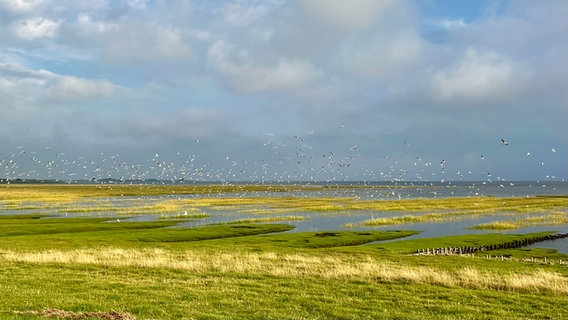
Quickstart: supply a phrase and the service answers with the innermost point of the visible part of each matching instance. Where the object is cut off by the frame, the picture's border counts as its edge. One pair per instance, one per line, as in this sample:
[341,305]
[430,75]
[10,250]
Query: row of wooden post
[507,245]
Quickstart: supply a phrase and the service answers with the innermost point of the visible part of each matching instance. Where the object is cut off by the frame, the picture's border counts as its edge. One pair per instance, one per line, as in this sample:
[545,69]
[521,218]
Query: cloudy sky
[284,90]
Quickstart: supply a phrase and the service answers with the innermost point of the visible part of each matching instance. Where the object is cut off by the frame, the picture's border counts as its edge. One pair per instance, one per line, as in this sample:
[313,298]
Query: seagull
[503,142]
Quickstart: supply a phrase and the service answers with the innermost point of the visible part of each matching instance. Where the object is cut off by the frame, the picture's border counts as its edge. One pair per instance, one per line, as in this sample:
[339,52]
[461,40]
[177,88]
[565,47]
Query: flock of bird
[284,161]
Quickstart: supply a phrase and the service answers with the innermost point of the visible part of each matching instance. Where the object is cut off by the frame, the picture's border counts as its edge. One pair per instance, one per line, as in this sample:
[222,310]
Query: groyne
[475,249]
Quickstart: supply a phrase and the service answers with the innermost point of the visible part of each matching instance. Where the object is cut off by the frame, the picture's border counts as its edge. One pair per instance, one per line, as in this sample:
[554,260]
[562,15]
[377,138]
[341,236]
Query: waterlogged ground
[479,207]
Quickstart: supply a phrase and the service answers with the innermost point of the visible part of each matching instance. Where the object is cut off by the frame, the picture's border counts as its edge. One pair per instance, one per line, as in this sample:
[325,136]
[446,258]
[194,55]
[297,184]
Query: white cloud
[19,71]
[255,19]
[18,81]
[383,54]
[21,5]
[135,43]
[138,4]
[146,129]
[35,28]
[199,34]
[450,23]
[242,15]
[19,88]
[346,14]
[70,88]
[24,90]
[476,75]
[284,67]
[87,25]
[525,30]
[246,76]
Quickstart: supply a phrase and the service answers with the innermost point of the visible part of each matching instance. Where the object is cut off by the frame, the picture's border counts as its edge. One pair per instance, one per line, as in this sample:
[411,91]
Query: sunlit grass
[89,264]
[192,213]
[555,218]
[269,219]
[70,192]
[430,217]
[497,225]
[67,198]
[294,265]
[263,211]
[479,205]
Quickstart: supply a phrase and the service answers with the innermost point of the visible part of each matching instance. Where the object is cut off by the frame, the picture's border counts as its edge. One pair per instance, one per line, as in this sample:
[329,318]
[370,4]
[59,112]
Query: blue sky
[284,90]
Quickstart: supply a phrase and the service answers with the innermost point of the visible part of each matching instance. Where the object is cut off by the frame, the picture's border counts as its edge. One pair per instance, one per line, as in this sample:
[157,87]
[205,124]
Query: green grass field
[98,268]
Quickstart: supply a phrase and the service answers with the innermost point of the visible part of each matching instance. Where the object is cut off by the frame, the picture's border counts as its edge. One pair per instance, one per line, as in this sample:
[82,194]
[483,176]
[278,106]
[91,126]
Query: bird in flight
[504,142]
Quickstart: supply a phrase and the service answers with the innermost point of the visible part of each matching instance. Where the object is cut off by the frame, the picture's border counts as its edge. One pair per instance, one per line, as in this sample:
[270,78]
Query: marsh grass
[429,217]
[67,198]
[449,207]
[28,231]
[68,192]
[299,265]
[190,213]
[497,225]
[167,293]
[555,218]
[254,270]
[477,205]
[269,219]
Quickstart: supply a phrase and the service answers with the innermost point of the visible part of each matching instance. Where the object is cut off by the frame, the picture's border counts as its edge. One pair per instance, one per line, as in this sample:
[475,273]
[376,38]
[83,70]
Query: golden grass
[361,268]
[112,190]
[451,206]
[15,197]
[496,225]
[162,208]
[555,218]
[190,213]
[263,211]
[430,217]
[269,219]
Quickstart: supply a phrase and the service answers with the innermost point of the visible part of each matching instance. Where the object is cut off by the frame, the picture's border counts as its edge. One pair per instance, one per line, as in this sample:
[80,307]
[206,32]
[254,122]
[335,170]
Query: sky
[311,90]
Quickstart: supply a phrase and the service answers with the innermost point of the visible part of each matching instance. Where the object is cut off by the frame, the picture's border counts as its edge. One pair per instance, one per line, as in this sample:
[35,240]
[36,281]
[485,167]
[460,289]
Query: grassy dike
[254,271]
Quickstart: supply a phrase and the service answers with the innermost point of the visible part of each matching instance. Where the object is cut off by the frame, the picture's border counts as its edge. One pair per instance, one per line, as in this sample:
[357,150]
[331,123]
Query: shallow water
[336,220]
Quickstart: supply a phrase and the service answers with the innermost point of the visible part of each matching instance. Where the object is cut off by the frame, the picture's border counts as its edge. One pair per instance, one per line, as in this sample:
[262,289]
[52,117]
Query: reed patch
[551,219]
